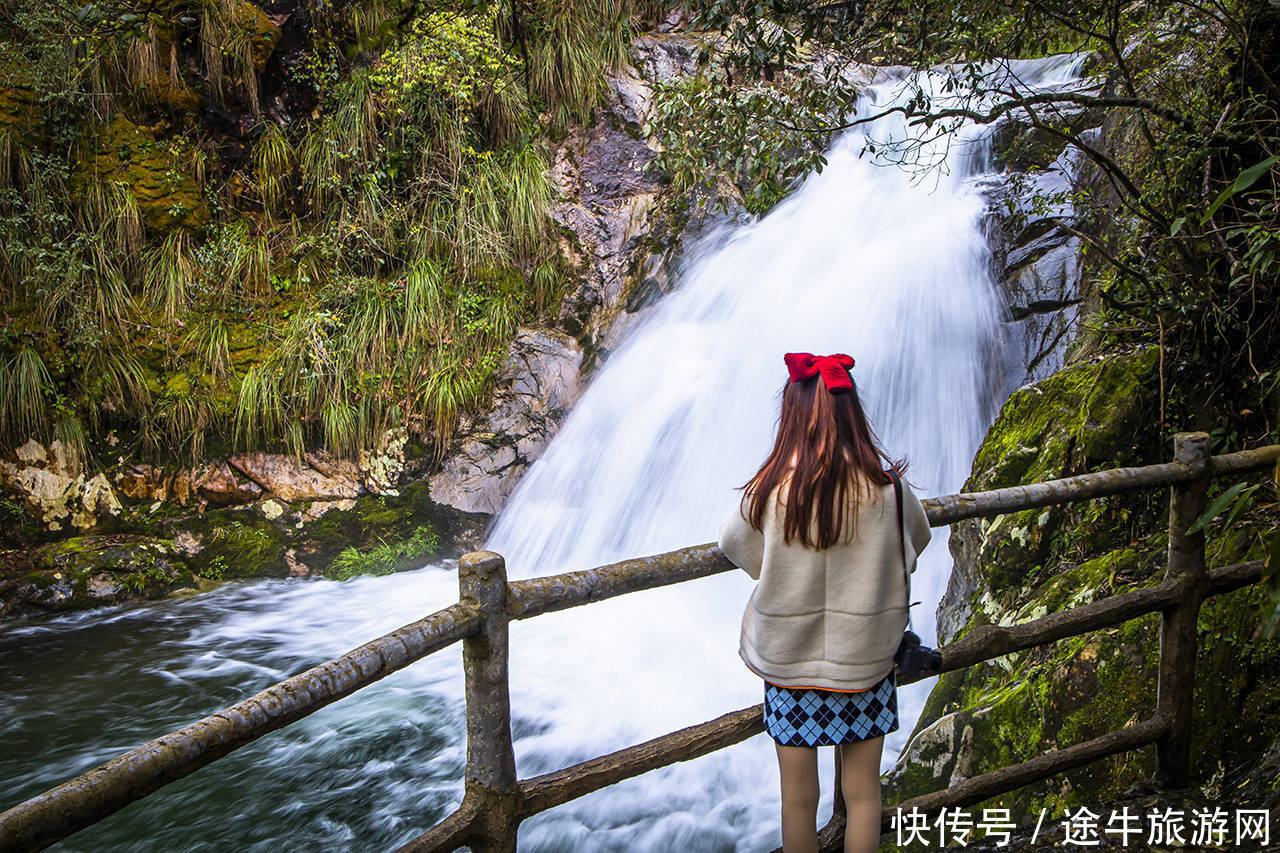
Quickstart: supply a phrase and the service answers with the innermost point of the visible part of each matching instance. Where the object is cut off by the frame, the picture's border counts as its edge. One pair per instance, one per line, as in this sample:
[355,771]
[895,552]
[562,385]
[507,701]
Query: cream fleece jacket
[832,618]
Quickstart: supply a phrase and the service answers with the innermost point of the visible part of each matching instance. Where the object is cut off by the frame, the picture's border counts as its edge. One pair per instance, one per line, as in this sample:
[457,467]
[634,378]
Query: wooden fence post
[1176,688]
[491,787]
[831,836]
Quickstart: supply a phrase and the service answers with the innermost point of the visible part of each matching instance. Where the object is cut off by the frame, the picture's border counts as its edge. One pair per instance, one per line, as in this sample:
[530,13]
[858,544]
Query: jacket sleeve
[742,544]
[915,524]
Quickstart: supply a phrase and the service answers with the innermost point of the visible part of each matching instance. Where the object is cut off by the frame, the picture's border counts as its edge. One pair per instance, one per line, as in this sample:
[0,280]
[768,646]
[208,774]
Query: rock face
[624,240]
[1035,256]
[246,477]
[54,491]
[1022,566]
[537,386]
[1085,415]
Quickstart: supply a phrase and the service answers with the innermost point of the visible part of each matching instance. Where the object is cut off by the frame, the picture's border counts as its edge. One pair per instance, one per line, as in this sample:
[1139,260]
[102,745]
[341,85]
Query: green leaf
[1176,226]
[1216,507]
[1241,506]
[1243,181]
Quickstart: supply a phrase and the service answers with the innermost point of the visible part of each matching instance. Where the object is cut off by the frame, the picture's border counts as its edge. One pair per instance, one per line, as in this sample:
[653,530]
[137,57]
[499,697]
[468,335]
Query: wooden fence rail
[495,801]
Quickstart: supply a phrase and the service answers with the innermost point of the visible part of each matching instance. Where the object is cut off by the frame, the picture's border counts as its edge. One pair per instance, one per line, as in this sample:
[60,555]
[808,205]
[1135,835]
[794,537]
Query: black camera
[913,658]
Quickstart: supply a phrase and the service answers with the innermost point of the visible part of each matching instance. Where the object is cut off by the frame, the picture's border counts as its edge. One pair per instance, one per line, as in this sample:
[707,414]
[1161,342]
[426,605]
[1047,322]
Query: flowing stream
[859,259]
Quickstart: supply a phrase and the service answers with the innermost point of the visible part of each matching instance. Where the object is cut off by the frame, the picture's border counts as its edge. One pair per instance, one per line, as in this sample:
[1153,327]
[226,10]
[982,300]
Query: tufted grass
[566,49]
[384,249]
[23,380]
[170,268]
[209,340]
[274,159]
[113,374]
[385,557]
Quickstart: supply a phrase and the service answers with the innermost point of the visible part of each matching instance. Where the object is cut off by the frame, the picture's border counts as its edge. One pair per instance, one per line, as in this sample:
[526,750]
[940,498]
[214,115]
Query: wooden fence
[495,801]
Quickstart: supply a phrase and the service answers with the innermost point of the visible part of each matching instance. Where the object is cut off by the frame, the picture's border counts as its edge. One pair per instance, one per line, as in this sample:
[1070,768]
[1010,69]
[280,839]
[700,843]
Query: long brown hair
[834,451]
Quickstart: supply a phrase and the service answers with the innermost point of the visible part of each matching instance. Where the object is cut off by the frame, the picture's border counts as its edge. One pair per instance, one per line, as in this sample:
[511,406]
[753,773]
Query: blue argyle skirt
[807,716]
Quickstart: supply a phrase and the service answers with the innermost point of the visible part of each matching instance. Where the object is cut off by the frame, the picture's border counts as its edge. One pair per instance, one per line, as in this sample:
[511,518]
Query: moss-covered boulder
[275,538]
[1090,415]
[85,571]
[1023,566]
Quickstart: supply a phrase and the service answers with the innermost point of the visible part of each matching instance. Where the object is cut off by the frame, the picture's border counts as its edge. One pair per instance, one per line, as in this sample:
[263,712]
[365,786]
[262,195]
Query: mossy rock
[377,519]
[154,172]
[251,542]
[1024,566]
[241,543]
[263,34]
[1088,416]
[1016,707]
[86,571]
[1084,414]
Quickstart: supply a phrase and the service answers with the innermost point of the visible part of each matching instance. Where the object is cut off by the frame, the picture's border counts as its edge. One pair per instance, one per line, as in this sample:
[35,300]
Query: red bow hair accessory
[834,369]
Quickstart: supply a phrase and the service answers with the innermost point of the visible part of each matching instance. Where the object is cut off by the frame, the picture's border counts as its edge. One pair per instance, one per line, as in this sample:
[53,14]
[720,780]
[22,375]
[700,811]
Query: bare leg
[860,783]
[798,770]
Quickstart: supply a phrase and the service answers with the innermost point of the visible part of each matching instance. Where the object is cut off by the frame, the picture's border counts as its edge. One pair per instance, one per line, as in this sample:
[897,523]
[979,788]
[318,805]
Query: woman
[818,528]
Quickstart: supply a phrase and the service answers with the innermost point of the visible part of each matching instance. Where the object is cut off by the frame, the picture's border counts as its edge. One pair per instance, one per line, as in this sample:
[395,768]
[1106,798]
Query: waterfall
[859,259]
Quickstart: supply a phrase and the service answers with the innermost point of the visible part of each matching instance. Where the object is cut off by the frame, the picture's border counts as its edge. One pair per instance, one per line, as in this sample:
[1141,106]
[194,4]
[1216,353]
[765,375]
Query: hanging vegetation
[224,227]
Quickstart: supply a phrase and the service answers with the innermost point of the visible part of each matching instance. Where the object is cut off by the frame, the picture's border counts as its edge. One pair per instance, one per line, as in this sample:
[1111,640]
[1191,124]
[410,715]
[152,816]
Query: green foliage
[386,557]
[23,384]
[284,279]
[764,137]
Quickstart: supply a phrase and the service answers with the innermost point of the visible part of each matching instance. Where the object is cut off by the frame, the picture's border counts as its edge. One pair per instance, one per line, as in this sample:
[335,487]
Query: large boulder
[1087,415]
[85,571]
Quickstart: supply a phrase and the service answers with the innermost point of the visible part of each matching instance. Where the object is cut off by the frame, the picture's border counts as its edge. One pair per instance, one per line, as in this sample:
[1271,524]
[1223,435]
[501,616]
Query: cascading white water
[857,260]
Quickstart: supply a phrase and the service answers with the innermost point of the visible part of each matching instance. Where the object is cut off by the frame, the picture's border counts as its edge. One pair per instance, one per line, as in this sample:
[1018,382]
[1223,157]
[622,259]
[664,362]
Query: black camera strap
[902,540]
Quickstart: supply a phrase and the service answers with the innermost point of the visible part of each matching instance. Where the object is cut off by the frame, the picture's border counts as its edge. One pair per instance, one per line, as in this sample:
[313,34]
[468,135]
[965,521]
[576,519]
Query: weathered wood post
[1178,623]
[491,766]
[831,836]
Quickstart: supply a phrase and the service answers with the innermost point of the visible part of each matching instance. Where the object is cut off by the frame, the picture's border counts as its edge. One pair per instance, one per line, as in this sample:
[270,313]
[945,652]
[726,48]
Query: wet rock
[248,477]
[87,571]
[32,454]
[1022,566]
[537,385]
[1084,415]
[1038,261]
[262,29]
[217,484]
[317,476]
